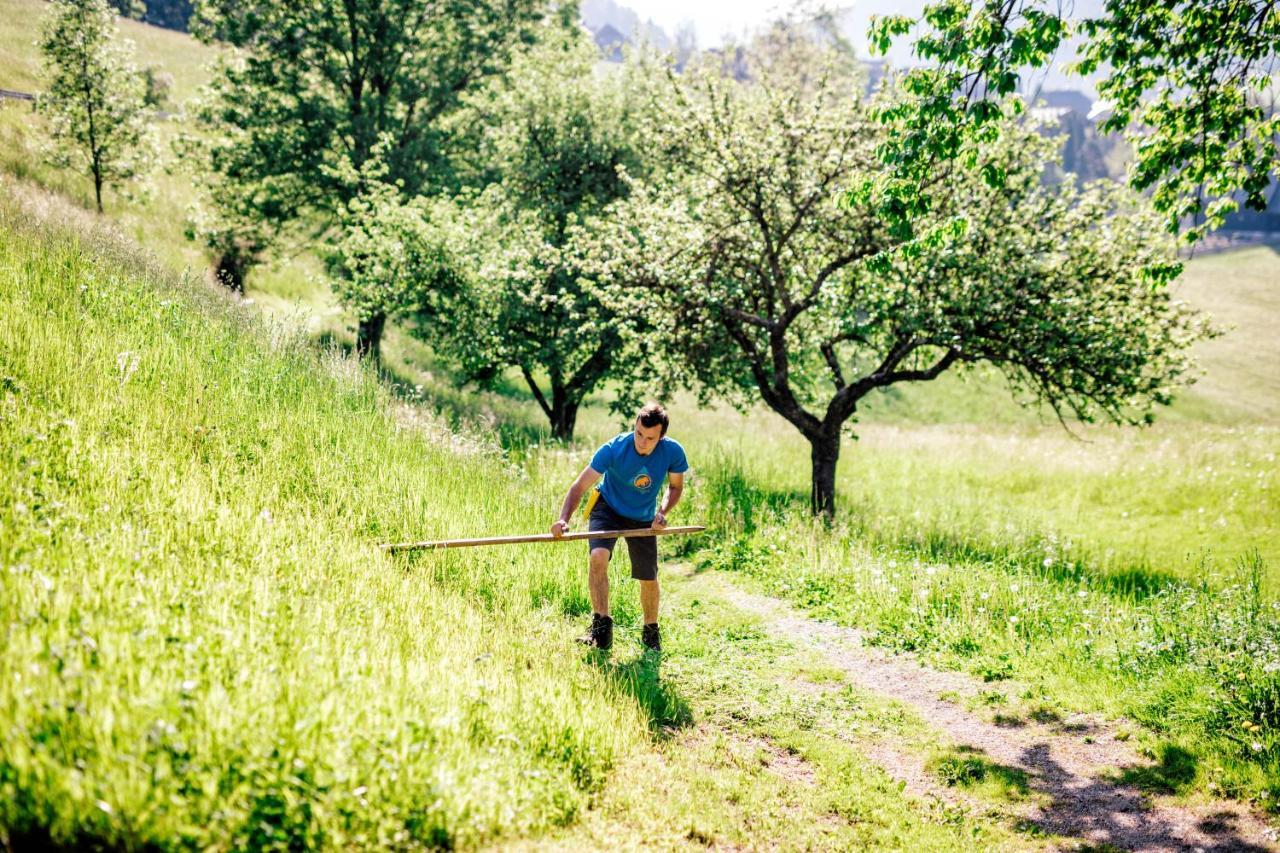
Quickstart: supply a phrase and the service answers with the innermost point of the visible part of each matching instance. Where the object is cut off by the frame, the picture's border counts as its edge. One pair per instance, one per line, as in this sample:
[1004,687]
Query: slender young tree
[314,88]
[94,96]
[766,289]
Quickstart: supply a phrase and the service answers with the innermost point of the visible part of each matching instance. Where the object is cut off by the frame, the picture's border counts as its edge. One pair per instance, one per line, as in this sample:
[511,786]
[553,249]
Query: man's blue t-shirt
[631,481]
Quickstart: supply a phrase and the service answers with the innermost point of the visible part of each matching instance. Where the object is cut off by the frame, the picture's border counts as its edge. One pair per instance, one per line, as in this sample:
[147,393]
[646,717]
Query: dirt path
[1071,762]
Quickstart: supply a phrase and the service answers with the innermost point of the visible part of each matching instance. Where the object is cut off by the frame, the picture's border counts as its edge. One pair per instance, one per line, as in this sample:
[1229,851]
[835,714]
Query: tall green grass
[1195,661]
[202,647]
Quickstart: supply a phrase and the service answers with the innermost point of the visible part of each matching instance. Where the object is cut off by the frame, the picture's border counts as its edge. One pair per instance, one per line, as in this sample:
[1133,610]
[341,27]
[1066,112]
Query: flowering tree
[1190,81]
[765,288]
[94,96]
[559,143]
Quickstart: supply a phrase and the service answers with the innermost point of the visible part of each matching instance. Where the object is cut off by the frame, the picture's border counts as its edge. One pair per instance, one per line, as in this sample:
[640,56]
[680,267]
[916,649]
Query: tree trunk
[369,337]
[825,454]
[97,187]
[563,415]
[229,270]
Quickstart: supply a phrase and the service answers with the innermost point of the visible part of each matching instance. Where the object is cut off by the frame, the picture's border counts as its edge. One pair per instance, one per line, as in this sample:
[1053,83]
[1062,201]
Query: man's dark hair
[654,415]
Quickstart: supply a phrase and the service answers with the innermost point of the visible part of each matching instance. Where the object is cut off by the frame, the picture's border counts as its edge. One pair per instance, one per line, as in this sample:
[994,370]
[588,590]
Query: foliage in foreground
[1189,82]
[201,647]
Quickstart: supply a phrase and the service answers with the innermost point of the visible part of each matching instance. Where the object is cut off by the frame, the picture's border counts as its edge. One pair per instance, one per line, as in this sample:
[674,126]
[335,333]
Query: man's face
[646,438]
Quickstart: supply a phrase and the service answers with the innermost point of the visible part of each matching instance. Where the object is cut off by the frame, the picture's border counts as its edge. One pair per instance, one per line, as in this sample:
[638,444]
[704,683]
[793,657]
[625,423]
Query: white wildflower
[127,364]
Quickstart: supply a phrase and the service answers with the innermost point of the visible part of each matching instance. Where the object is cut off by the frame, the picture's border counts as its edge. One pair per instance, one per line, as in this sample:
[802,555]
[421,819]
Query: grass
[169,51]
[967,768]
[1127,572]
[202,645]
[204,650]
[1196,663]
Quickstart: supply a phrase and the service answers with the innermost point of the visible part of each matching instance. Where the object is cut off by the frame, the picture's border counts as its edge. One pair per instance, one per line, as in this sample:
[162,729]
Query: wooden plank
[539,537]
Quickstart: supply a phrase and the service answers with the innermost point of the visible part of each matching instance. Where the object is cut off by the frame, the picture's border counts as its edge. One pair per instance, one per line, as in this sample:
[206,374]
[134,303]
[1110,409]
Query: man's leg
[649,601]
[598,580]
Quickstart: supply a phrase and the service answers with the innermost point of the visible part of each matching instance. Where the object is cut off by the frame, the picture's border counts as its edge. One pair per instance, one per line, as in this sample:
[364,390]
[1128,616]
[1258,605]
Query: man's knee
[600,558]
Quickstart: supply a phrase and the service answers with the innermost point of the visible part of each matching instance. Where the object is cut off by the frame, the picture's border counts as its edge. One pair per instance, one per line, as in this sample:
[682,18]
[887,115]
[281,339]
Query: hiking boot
[649,636]
[601,634]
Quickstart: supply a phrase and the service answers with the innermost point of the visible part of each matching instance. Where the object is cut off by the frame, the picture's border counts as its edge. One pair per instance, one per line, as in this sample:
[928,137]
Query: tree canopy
[313,90]
[562,143]
[765,288]
[1189,81]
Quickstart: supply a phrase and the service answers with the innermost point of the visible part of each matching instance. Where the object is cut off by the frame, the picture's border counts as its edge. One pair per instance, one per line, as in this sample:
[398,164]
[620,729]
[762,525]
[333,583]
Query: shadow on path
[1092,780]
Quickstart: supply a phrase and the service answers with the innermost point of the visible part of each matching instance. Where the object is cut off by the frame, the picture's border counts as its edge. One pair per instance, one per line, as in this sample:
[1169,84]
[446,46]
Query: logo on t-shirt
[642,480]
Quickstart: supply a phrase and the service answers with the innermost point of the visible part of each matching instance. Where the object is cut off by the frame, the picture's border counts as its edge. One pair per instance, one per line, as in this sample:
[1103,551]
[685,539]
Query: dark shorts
[643,549]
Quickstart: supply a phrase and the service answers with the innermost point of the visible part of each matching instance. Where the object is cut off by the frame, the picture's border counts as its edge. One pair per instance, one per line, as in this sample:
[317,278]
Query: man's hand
[659,521]
[560,528]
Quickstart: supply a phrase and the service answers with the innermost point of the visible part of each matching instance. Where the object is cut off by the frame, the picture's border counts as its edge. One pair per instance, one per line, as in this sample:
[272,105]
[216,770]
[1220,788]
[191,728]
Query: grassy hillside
[204,651]
[176,53]
[194,613]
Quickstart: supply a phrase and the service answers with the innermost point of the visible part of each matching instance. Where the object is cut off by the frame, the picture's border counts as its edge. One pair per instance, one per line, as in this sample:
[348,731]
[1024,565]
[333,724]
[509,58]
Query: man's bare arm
[675,488]
[588,478]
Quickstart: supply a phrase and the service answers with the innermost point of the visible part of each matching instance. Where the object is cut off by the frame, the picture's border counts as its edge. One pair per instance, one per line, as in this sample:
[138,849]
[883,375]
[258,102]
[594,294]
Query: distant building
[1065,99]
[610,41]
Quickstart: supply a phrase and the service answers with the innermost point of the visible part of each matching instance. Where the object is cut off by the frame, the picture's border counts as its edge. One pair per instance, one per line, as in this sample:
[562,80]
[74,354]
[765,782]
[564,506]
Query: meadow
[203,649]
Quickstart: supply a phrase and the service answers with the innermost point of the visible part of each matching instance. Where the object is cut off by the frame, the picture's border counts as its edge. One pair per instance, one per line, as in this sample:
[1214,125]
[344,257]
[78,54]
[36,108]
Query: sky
[710,18]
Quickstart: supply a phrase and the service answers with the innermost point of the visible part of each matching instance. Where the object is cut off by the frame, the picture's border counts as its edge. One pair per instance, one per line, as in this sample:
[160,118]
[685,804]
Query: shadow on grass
[1112,812]
[737,502]
[1173,772]
[967,766]
[40,838]
[641,677]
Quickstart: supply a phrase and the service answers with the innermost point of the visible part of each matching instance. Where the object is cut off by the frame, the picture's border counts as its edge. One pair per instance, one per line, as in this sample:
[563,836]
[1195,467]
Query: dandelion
[1048,561]
[1256,746]
[1013,587]
[188,686]
[1013,620]
[104,807]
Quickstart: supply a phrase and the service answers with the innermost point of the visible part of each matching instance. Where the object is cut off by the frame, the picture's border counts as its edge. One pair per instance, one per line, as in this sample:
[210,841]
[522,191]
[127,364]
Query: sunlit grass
[194,612]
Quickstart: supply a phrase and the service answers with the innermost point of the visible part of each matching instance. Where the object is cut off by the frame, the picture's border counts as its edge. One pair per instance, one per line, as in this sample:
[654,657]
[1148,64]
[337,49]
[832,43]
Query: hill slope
[201,645]
[203,649]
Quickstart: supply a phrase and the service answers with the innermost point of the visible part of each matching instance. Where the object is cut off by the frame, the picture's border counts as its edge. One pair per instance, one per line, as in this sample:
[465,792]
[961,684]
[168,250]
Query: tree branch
[537,392]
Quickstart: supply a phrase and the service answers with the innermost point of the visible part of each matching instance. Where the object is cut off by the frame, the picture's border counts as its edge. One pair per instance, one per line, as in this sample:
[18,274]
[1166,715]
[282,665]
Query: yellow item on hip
[591,502]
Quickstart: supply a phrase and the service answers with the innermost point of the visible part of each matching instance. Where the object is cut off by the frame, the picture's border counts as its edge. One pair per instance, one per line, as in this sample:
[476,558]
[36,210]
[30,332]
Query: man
[633,465]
